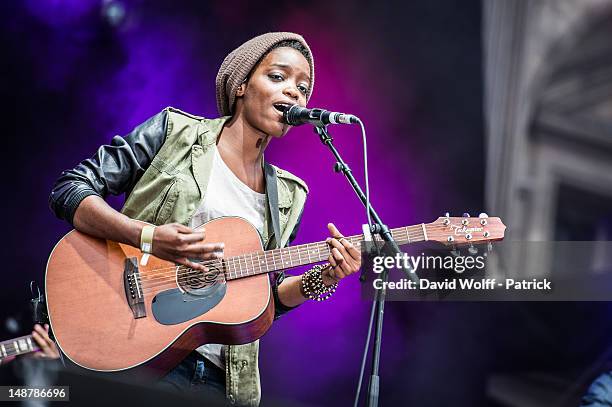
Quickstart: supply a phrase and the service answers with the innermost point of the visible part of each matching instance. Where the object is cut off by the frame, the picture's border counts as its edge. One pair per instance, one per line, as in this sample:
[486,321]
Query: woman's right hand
[181,244]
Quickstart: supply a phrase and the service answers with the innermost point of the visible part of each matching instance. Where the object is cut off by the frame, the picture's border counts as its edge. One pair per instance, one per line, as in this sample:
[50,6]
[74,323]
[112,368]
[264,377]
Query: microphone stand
[377,228]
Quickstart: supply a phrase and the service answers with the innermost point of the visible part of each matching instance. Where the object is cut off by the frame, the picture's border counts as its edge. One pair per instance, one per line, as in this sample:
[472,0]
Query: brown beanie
[239,63]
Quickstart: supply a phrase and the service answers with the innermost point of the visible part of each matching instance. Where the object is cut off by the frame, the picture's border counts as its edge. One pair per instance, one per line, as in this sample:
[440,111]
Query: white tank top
[226,195]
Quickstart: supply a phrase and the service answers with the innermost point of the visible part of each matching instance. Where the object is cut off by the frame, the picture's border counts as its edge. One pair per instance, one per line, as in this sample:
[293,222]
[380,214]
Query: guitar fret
[262,262]
[273,260]
[3,349]
[291,256]
[29,343]
[252,263]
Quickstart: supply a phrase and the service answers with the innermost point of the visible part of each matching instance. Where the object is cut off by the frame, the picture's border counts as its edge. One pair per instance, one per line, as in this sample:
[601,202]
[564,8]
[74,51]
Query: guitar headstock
[465,230]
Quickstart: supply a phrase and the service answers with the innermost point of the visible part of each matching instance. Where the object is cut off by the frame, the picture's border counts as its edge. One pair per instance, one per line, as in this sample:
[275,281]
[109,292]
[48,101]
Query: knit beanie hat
[239,63]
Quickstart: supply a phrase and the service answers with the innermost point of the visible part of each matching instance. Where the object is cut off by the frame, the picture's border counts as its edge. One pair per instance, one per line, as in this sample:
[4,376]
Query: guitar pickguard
[171,307]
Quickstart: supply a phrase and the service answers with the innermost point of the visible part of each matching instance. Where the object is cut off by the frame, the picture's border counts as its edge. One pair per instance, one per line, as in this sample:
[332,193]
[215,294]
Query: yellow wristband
[146,239]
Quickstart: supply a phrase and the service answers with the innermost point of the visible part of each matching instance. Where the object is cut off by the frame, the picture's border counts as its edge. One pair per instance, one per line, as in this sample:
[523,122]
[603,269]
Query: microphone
[297,115]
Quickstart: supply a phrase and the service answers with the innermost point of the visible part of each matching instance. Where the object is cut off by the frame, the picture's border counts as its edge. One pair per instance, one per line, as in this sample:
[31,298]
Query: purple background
[71,80]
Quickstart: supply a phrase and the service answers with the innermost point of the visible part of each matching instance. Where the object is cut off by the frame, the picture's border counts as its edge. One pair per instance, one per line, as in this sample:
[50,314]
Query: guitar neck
[294,256]
[18,346]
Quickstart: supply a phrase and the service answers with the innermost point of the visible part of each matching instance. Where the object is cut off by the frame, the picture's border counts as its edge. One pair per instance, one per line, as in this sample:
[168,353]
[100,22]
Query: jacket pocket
[166,207]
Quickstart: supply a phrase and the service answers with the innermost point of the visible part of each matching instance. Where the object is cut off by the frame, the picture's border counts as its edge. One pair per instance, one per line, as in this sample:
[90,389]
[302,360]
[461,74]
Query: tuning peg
[483,215]
[446,214]
[466,215]
[455,252]
[489,247]
[472,250]
[446,221]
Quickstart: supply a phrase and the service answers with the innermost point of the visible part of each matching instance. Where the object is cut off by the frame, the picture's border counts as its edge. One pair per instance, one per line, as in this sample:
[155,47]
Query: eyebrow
[282,65]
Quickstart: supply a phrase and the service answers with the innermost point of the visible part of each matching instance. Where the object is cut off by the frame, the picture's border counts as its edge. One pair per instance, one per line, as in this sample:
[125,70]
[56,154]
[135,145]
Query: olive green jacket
[172,188]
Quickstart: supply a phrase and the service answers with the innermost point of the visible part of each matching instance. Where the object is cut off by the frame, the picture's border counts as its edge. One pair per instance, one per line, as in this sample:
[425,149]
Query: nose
[292,92]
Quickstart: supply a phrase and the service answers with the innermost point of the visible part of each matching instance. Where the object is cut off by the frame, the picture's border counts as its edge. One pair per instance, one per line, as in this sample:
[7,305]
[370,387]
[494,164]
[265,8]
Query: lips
[281,107]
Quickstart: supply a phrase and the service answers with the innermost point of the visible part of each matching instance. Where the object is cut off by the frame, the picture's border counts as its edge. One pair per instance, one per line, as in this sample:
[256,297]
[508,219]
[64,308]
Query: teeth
[282,107]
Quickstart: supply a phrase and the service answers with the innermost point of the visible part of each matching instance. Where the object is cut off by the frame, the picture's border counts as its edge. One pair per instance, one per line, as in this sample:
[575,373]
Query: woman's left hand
[48,348]
[344,258]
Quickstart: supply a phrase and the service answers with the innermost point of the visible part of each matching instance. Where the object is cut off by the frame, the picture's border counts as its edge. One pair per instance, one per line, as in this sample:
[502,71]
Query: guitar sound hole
[199,282]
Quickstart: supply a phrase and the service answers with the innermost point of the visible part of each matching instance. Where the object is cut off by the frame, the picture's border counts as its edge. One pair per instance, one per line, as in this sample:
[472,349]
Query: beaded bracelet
[312,284]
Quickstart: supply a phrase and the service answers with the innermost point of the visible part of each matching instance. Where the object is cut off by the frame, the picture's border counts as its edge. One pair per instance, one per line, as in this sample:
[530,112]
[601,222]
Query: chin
[278,129]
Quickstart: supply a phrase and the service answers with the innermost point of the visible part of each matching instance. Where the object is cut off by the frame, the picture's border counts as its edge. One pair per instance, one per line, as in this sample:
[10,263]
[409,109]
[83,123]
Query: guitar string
[275,254]
[192,273]
[259,269]
[418,234]
[185,278]
[240,273]
[294,253]
[252,270]
[358,237]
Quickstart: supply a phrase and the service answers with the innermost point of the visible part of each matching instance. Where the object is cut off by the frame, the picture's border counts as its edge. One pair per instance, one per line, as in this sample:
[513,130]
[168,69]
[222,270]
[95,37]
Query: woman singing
[180,171]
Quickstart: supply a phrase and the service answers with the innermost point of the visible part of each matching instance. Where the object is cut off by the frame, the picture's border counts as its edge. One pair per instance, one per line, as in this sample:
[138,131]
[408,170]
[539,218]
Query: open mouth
[281,107]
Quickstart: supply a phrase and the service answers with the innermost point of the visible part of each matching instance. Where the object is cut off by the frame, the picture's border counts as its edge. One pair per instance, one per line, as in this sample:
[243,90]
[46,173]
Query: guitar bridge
[133,288]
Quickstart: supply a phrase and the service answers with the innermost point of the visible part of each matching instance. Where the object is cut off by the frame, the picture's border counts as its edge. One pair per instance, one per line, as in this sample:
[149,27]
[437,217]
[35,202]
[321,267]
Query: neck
[241,141]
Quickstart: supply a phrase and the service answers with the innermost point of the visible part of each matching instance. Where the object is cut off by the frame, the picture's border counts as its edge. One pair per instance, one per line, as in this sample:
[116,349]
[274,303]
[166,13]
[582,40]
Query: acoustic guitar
[110,313]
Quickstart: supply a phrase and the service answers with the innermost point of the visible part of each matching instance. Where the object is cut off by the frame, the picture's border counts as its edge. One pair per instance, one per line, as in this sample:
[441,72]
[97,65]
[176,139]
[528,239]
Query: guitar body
[97,328]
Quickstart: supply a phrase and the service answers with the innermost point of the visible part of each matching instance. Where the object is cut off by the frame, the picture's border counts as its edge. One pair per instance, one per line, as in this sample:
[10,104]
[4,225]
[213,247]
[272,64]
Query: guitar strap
[272,192]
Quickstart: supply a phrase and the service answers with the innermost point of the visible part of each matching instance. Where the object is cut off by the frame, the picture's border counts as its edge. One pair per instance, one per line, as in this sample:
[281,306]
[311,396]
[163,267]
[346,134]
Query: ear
[241,89]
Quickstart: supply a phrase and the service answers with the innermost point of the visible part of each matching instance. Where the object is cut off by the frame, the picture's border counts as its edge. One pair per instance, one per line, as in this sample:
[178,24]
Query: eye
[303,89]
[276,77]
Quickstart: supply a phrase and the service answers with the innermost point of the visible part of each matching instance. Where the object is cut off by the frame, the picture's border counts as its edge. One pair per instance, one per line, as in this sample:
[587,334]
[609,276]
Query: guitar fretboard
[294,256]
[17,346]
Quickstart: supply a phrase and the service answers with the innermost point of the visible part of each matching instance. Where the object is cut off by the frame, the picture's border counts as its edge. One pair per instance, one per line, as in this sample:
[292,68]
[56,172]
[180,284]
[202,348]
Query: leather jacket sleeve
[113,169]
